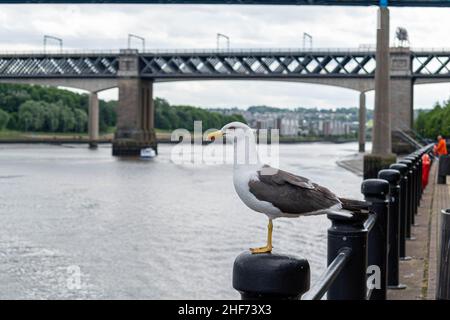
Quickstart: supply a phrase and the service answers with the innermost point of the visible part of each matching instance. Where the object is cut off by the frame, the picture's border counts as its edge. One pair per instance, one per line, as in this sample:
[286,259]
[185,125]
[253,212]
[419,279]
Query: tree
[51,117]
[81,120]
[32,115]
[26,121]
[434,122]
[4,119]
[66,119]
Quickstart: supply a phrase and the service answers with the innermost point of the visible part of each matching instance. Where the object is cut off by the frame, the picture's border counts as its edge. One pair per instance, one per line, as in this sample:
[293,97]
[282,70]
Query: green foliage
[37,108]
[12,96]
[4,119]
[50,117]
[434,122]
[265,109]
[169,117]
[47,109]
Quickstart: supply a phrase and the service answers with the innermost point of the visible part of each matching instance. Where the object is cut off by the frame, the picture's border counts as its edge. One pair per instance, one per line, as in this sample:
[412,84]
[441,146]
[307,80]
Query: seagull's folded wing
[290,193]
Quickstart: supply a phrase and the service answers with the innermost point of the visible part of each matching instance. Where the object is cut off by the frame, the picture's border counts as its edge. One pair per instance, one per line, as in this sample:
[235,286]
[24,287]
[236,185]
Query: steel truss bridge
[393,3]
[214,64]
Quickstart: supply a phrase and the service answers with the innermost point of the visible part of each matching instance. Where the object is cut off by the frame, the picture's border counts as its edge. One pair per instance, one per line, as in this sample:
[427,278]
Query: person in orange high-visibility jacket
[425,169]
[441,146]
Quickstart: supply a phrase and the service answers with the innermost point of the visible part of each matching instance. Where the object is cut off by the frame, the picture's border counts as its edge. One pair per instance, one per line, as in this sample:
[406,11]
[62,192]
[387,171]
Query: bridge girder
[176,66]
[392,3]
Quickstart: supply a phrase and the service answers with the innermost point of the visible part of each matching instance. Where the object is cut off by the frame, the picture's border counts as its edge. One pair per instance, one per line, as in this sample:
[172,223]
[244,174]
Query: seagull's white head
[235,129]
[244,142]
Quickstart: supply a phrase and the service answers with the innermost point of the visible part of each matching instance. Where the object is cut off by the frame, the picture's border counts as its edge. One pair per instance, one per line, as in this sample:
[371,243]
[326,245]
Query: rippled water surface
[142,229]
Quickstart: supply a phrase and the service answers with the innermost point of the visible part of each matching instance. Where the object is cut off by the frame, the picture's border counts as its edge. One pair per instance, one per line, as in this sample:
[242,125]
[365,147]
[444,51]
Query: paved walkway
[419,273]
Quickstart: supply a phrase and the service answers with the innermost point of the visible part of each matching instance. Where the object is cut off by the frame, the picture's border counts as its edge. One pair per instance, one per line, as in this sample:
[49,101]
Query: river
[80,224]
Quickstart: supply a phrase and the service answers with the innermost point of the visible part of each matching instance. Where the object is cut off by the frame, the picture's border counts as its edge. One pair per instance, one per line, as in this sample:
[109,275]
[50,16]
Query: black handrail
[326,279]
[370,222]
[355,240]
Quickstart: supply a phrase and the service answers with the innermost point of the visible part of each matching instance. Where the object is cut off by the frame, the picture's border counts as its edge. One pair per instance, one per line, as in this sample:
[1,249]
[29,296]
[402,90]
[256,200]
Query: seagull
[274,192]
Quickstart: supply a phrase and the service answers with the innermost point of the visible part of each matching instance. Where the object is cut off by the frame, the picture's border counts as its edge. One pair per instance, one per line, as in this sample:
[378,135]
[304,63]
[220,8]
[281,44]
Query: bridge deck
[215,64]
[392,3]
[419,273]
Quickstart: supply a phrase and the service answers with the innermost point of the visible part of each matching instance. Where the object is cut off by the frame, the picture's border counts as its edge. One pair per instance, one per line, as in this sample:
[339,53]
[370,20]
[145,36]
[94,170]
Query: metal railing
[364,247]
[362,49]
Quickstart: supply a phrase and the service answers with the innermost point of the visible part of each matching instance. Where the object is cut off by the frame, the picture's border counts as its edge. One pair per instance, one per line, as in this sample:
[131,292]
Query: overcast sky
[173,26]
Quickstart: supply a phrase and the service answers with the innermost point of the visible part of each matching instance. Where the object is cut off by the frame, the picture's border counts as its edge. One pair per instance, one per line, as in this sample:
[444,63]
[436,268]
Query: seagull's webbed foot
[265,249]
[268,247]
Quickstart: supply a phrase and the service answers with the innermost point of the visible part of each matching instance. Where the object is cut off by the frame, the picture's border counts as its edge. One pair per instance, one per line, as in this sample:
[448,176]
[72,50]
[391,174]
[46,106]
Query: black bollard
[413,189]
[419,187]
[443,276]
[409,198]
[347,231]
[376,191]
[270,276]
[418,178]
[403,169]
[443,169]
[393,177]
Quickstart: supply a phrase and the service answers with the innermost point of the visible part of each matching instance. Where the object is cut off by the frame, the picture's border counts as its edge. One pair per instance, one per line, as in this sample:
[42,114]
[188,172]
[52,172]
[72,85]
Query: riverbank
[9,137]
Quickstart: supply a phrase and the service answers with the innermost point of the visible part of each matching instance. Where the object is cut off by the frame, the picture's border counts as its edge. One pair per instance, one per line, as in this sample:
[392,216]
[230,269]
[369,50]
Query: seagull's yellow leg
[268,247]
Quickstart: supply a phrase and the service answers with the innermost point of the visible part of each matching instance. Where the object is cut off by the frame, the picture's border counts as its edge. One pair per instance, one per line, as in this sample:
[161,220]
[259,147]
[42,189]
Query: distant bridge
[134,74]
[393,3]
[219,64]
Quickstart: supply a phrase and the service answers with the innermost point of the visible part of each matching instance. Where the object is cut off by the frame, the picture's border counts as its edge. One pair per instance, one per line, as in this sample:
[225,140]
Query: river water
[78,223]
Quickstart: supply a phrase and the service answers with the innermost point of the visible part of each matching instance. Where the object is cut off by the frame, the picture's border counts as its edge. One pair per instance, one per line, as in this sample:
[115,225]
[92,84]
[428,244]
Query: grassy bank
[162,136]
[7,135]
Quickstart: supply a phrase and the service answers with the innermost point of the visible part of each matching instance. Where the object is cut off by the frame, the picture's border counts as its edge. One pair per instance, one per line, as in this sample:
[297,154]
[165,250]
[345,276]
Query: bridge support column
[362,122]
[135,113]
[381,156]
[401,99]
[93,123]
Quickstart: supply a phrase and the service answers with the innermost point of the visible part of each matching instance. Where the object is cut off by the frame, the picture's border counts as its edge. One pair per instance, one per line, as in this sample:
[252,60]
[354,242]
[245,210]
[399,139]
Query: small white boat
[148,153]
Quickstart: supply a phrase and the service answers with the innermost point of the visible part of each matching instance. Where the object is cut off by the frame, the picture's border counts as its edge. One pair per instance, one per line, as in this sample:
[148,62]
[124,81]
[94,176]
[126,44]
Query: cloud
[188,26]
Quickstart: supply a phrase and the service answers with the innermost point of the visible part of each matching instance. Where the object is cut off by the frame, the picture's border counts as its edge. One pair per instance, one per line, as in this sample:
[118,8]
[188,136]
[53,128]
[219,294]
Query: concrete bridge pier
[93,123]
[362,122]
[135,113]
[381,156]
[401,93]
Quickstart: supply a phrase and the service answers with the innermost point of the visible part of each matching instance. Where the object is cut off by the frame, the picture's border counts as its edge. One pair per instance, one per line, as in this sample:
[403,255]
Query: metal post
[409,202]
[414,187]
[227,38]
[362,122]
[142,39]
[418,165]
[348,231]
[393,177]
[403,169]
[270,276]
[443,169]
[419,186]
[48,37]
[443,281]
[307,36]
[376,191]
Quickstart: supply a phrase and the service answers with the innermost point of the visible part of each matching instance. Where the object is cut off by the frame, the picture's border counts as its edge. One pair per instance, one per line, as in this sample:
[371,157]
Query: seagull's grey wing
[290,193]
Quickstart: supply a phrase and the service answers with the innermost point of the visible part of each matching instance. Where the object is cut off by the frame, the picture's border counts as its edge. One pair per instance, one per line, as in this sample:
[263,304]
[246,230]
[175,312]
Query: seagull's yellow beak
[214,135]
